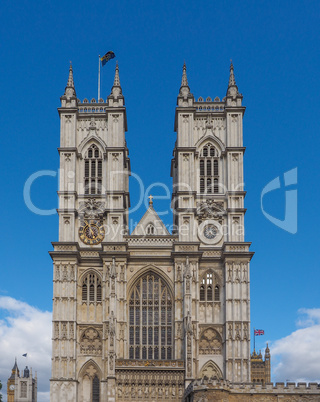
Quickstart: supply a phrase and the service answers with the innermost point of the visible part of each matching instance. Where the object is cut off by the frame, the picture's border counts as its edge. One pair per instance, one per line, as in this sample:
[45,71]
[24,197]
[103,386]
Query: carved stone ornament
[91,342]
[92,209]
[210,342]
[112,325]
[189,329]
[210,209]
[92,125]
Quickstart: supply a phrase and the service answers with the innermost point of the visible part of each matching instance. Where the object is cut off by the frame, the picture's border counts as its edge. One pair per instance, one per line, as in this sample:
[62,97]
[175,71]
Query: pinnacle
[70,79]
[184,81]
[116,89]
[232,80]
[184,89]
[70,90]
[232,86]
[116,82]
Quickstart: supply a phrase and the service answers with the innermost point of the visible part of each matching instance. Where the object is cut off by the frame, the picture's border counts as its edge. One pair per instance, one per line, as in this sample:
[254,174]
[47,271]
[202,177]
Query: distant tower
[267,359]
[261,369]
[11,382]
[21,389]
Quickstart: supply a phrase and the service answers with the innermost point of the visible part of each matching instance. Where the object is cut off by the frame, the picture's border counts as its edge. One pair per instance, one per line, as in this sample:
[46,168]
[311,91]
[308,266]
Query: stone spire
[232,91]
[184,89]
[116,98]
[232,80]
[116,82]
[185,98]
[116,89]
[184,81]
[70,90]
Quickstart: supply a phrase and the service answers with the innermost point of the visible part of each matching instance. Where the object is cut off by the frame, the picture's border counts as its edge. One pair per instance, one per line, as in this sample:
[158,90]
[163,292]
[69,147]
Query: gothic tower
[93,206]
[208,201]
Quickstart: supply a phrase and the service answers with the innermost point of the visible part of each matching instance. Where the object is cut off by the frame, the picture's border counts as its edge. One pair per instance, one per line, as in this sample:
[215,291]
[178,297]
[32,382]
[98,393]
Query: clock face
[210,231]
[91,232]
[11,387]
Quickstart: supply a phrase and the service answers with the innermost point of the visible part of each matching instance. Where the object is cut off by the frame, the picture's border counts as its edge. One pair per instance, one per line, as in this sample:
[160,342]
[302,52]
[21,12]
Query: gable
[150,225]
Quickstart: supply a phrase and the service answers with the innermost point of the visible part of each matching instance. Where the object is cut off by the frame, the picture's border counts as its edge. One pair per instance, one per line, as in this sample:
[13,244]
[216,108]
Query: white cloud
[25,329]
[297,356]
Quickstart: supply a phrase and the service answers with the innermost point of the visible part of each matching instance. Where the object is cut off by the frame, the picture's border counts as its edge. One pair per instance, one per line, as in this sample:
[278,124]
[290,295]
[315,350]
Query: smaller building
[261,369]
[21,388]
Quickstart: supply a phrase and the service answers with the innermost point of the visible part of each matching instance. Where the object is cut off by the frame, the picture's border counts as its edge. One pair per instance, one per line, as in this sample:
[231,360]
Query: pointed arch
[89,377]
[150,229]
[91,286]
[212,139]
[149,268]
[88,141]
[210,285]
[92,169]
[151,307]
[90,270]
[211,370]
[90,368]
[209,166]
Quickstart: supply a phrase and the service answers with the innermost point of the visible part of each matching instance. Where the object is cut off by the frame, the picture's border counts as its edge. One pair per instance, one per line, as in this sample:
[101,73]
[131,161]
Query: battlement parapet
[209,385]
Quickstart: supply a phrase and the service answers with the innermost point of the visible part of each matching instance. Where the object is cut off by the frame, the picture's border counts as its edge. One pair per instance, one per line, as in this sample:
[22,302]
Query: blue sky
[274,48]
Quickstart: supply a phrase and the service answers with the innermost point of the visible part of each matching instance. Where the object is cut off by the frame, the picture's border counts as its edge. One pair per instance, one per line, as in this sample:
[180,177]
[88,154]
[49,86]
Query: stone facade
[141,316]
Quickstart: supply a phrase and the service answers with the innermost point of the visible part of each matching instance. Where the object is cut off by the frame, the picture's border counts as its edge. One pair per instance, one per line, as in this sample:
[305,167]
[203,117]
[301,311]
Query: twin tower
[141,316]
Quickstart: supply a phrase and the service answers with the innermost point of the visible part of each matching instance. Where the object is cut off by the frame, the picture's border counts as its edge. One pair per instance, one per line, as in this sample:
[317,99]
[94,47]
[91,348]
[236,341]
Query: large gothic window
[93,171]
[91,288]
[209,170]
[150,319]
[209,291]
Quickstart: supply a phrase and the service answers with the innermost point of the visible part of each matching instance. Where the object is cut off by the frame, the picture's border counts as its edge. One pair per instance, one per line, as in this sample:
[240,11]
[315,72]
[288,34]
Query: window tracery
[93,171]
[208,290]
[90,342]
[150,319]
[210,342]
[91,288]
[209,170]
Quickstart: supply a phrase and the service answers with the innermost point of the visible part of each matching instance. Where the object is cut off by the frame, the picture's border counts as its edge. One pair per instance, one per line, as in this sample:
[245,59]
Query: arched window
[150,319]
[91,288]
[95,389]
[207,286]
[93,171]
[150,229]
[209,170]
[216,293]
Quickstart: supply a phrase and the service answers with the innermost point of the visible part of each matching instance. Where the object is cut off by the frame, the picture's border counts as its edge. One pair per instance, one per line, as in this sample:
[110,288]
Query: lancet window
[209,291]
[91,288]
[95,389]
[93,171]
[150,229]
[150,319]
[209,170]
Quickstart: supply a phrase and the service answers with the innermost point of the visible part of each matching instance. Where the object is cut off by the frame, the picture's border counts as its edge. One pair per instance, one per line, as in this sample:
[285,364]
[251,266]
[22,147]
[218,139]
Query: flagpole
[99,81]
[254,339]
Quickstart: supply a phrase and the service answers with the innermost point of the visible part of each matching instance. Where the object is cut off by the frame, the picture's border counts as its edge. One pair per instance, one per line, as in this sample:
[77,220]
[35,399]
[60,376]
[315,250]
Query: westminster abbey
[152,315]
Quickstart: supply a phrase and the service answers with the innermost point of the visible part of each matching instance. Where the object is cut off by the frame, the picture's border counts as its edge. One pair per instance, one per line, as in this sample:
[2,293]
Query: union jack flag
[258,332]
